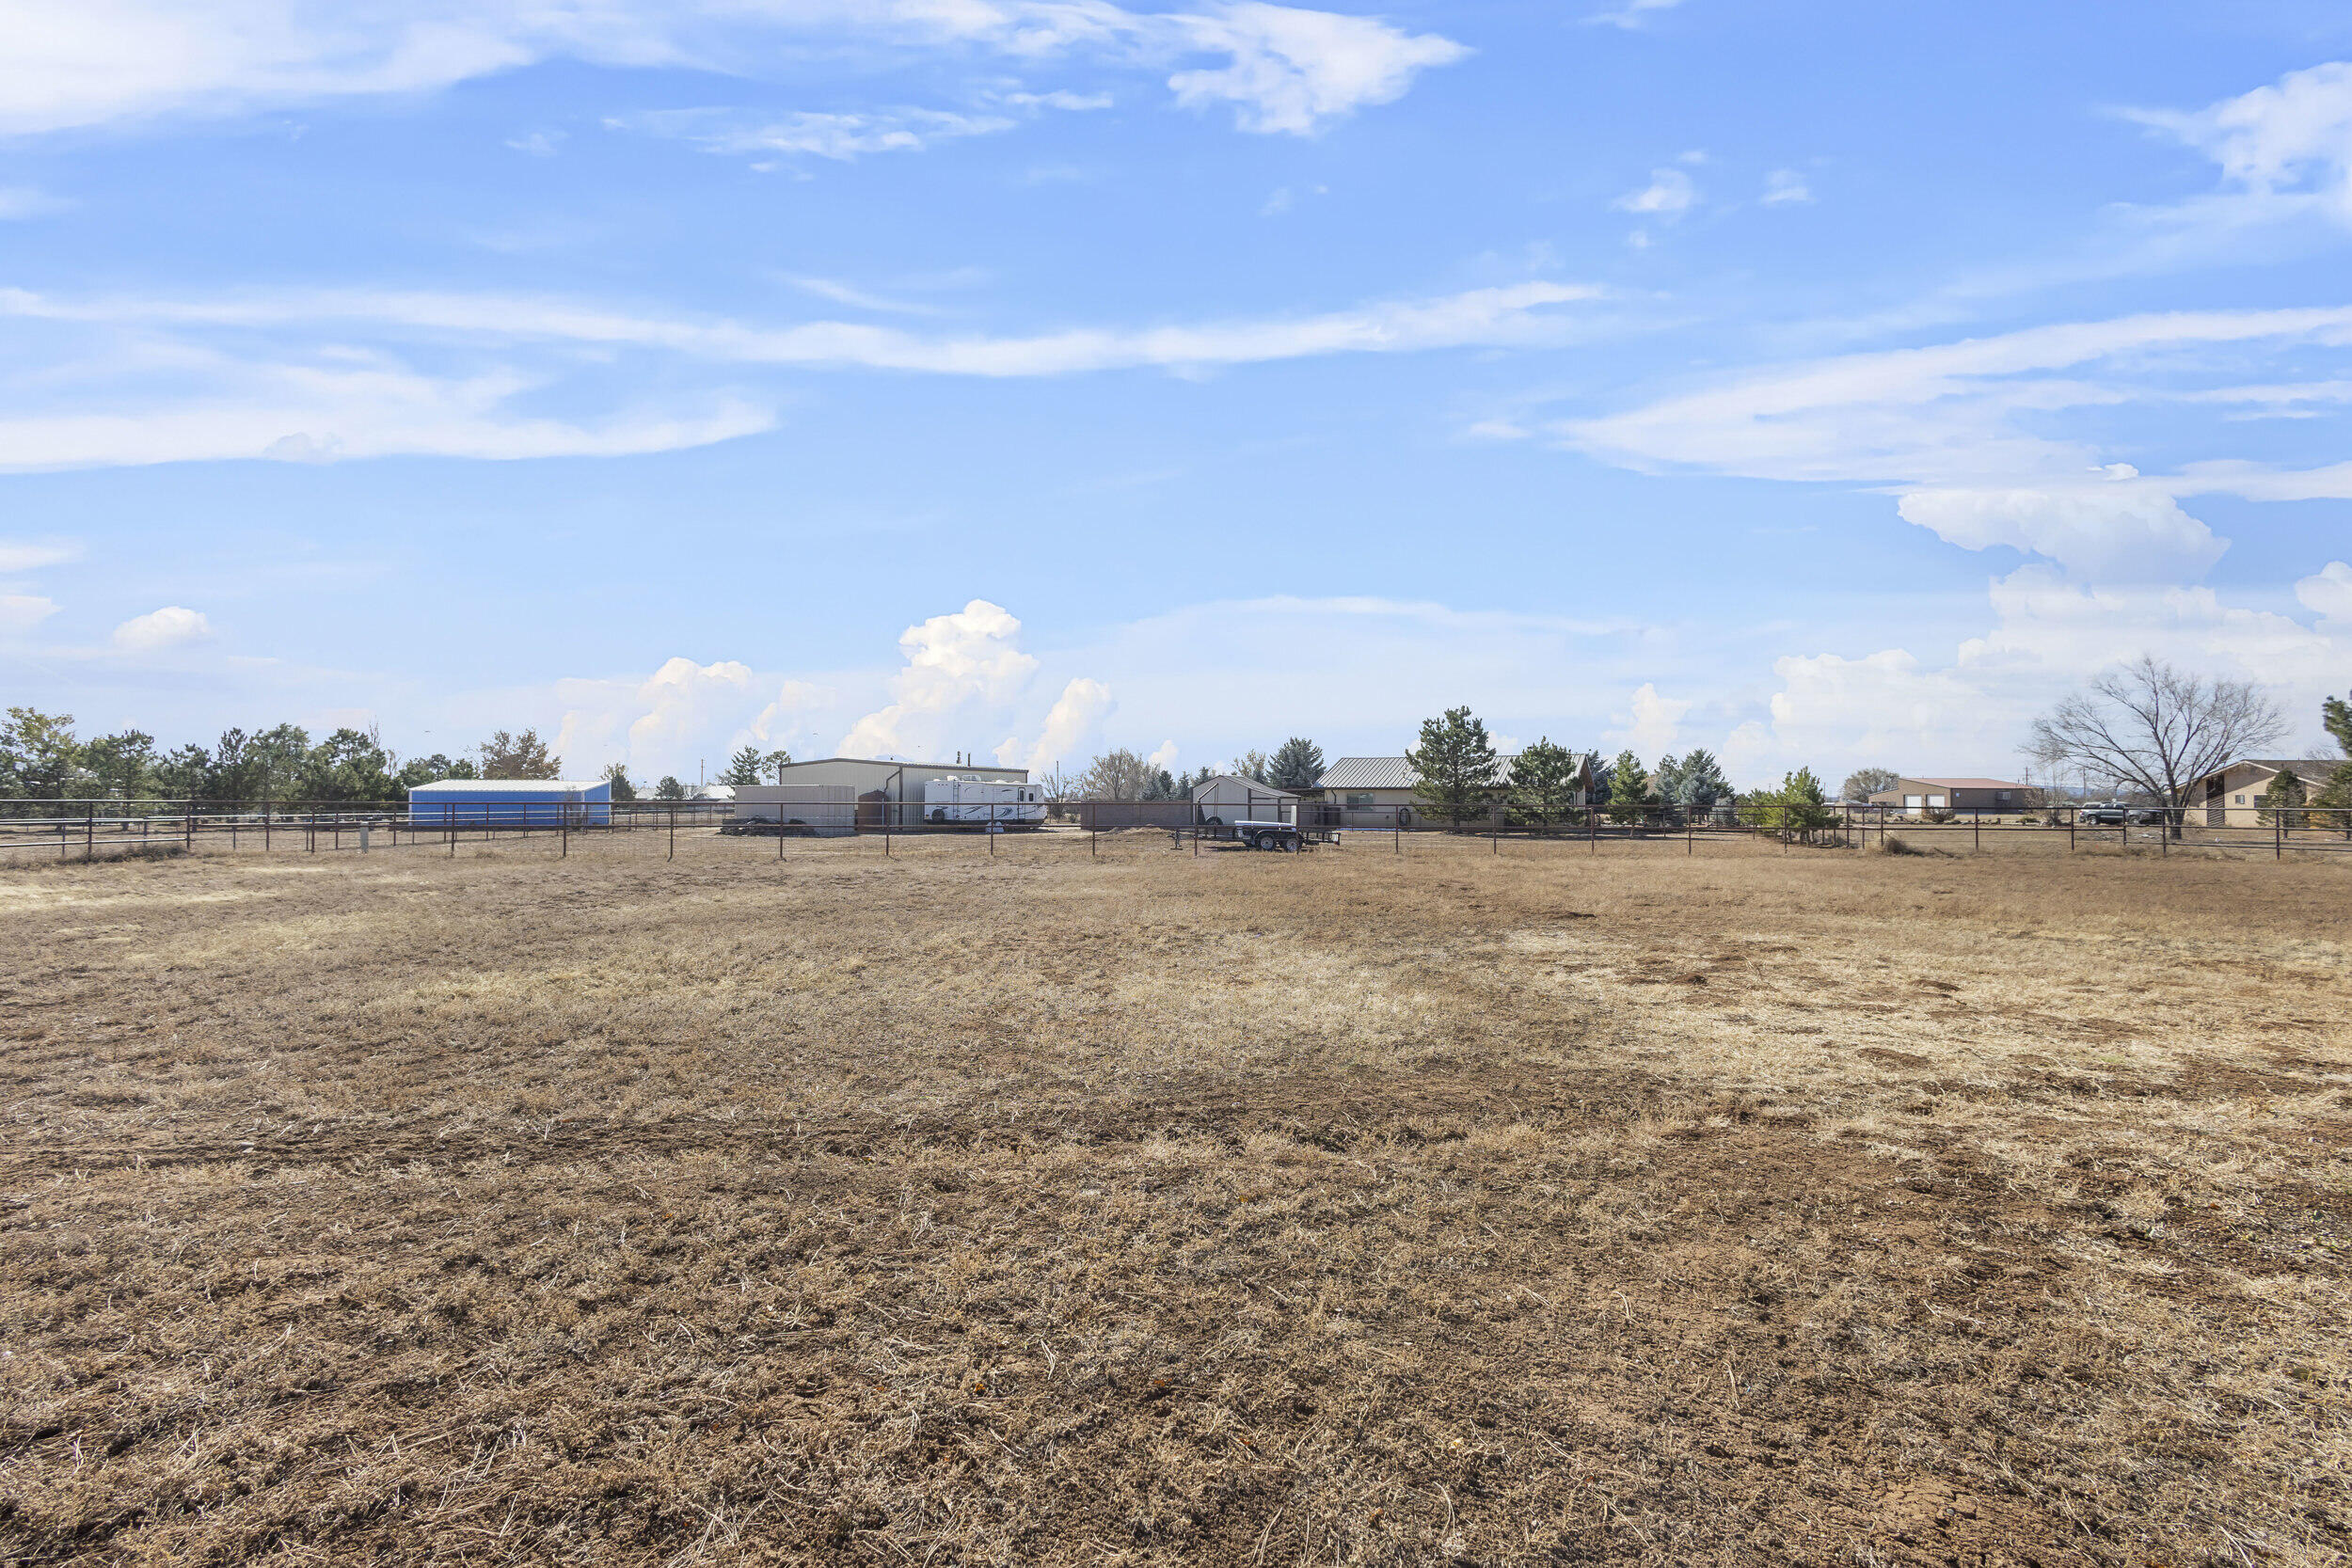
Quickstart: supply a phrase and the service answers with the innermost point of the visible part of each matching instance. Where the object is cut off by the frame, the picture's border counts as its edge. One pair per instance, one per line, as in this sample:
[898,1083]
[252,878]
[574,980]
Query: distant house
[1913,796]
[1229,798]
[1366,792]
[2231,796]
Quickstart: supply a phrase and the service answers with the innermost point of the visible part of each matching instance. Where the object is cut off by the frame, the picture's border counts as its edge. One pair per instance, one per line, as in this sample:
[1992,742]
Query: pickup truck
[2112,814]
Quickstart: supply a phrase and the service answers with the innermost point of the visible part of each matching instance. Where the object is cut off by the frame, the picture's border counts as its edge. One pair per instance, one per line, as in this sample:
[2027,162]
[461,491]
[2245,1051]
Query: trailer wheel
[1262,841]
[939,814]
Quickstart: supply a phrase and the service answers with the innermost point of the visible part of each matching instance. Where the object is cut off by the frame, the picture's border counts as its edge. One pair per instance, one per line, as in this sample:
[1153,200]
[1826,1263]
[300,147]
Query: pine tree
[1455,761]
[743,770]
[1297,764]
[1702,783]
[2280,802]
[617,776]
[1628,788]
[1543,783]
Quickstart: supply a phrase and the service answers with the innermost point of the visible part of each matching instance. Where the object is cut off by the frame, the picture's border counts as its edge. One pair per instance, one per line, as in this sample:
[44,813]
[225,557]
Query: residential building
[2231,796]
[1978,797]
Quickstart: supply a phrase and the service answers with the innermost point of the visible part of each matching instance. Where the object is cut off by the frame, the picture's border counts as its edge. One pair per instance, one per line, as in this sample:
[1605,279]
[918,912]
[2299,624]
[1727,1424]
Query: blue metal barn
[511,803]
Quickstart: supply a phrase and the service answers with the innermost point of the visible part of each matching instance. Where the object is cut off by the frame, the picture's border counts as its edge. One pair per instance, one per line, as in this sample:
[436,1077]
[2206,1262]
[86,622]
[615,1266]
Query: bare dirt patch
[1535,1207]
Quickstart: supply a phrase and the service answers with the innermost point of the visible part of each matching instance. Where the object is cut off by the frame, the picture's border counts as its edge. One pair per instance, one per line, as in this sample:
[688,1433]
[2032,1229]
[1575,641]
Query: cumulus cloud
[171,626]
[955,666]
[1283,68]
[1073,722]
[2328,593]
[2123,531]
[1649,730]
[22,612]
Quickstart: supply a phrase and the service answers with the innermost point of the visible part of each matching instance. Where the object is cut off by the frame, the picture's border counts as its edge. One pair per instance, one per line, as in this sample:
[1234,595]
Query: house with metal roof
[512,802]
[1366,792]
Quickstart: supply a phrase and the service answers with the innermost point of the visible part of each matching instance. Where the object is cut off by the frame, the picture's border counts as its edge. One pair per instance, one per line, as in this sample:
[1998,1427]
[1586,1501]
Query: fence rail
[89,829]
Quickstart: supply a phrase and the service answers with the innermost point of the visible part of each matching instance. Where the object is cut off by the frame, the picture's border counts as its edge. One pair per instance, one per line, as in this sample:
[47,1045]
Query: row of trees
[42,758]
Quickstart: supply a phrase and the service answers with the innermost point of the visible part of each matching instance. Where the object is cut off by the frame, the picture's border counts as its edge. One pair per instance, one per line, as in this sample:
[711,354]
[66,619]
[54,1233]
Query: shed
[512,804]
[1229,798]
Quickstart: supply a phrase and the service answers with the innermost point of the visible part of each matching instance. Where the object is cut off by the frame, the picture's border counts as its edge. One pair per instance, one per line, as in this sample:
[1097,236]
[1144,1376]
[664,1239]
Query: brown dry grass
[1255,1209]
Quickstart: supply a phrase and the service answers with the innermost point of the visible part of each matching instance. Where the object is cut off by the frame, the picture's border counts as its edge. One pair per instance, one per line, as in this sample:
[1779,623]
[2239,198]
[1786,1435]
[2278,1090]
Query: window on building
[2240,799]
[2000,796]
[1359,803]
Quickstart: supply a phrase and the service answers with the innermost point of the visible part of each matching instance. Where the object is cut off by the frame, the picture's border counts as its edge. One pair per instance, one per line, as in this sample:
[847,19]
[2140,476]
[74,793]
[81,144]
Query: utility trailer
[1257,836]
[971,802]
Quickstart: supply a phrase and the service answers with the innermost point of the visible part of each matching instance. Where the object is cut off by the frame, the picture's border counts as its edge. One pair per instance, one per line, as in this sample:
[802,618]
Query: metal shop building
[846,794]
[512,804]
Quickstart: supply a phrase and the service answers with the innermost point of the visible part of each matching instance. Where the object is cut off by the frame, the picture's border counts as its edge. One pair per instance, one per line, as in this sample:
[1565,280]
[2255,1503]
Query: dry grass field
[1355,1208]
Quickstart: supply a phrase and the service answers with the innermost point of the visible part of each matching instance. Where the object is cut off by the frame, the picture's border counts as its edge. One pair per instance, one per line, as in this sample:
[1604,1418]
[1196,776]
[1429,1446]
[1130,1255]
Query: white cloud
[2328,593]
[1633,13]
[1298,71]
[1651,729]
[2286,149]
[1162,756]
[1959,429]
[171,626]
[22,612]
[839,137]
[95,62]
[1072,725]
[956,665]
[127,381]
[1786,185]
[1669,194]
[538,144]
[25,555]
[2119,531]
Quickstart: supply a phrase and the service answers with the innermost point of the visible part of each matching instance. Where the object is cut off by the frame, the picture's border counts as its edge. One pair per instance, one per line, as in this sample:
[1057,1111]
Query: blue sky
[1818,383]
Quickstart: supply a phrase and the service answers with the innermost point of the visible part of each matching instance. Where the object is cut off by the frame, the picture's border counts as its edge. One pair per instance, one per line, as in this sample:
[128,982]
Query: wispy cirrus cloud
[362,373]
[1281,67]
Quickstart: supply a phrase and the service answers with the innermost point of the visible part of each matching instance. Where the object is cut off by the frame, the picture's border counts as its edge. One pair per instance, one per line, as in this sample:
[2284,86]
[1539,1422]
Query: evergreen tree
[184,774]
[744,768]
[1628,788]
[349,765]
[2280,802]
[617,776]
[1160,784]
[2336,713]
[274,760]
[1543,783]
[1796,807]
[1297,765]
[1700,782]
[1455,764]
[121,767]
[669,788]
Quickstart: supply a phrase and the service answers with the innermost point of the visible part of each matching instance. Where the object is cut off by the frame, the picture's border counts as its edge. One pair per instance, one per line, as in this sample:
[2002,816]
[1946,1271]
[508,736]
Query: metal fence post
[89,836]
[1976,824]
[673,854]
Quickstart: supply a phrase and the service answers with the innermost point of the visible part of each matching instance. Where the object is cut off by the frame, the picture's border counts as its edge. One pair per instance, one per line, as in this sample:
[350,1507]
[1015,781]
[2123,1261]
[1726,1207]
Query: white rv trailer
[977,802]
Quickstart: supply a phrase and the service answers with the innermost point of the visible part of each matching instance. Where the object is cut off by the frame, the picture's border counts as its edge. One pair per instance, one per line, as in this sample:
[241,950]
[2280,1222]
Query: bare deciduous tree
[2150,727]
[1118,775]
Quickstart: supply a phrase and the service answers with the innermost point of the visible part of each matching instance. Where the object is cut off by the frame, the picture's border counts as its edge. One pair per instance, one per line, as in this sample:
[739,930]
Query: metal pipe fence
[90,830]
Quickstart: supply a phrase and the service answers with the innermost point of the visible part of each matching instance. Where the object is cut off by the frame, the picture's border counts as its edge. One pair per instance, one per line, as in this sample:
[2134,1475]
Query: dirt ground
[1360,1208]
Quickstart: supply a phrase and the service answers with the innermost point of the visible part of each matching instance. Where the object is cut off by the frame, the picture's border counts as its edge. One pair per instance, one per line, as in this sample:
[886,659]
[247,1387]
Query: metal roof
[2309,770]
[1962,783]
[506,786]
[1255,784]
[911,766]
[1396,773]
